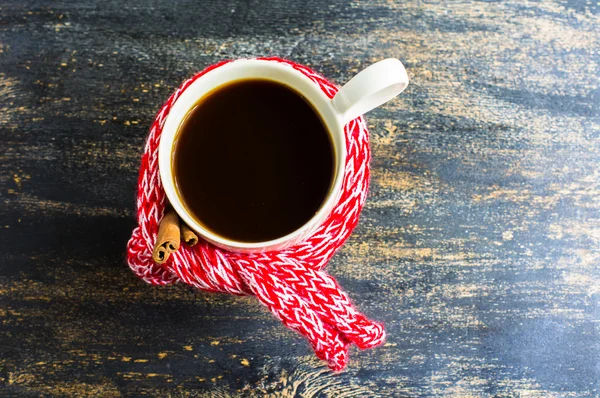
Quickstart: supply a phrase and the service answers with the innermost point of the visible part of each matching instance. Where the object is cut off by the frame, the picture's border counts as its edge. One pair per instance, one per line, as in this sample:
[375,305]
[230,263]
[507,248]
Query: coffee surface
[253,161]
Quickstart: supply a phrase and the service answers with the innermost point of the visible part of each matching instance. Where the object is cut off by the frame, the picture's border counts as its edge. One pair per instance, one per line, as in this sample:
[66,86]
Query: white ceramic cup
[372,87]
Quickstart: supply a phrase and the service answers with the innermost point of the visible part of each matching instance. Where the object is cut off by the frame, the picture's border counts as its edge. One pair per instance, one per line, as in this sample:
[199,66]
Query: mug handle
[372,87]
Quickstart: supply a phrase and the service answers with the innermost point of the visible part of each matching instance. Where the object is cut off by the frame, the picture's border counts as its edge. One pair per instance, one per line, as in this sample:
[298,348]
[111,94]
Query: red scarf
[290,282]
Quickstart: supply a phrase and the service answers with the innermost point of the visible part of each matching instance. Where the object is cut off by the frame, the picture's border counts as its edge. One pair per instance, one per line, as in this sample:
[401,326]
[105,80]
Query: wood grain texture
[479,247]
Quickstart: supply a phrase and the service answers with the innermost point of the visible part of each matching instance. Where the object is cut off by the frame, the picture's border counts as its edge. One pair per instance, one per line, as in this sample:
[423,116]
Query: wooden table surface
[479,245]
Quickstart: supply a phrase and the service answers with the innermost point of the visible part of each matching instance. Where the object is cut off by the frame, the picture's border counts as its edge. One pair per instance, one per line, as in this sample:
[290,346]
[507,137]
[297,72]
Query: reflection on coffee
[253,161]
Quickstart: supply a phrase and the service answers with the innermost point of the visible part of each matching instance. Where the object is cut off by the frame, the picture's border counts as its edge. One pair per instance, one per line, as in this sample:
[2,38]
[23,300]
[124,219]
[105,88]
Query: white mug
[370,88]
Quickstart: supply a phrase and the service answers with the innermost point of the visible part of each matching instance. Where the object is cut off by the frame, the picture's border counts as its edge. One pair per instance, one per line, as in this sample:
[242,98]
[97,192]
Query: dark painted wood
[479,246]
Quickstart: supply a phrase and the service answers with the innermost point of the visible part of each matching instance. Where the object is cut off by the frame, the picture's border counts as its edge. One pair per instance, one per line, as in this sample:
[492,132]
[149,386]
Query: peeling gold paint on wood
[477,247]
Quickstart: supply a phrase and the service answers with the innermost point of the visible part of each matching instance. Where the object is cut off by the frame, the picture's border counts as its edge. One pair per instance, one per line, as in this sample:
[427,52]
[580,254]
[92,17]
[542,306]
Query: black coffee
[253,161]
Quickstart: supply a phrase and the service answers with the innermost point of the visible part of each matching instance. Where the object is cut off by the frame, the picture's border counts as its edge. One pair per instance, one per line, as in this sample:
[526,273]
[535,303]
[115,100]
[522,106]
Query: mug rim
[213,80]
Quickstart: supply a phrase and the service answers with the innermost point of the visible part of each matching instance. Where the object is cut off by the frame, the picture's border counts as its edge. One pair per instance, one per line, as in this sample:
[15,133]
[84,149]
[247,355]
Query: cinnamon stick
[168,239]
[187,235]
